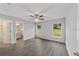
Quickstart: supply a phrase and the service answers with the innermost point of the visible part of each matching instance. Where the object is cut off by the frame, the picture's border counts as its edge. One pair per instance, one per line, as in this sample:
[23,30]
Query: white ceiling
[54,10]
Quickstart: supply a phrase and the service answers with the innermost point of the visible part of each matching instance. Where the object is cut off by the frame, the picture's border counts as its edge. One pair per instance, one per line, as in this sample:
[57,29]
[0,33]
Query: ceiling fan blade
[41,18]
[31,15]
[46,9]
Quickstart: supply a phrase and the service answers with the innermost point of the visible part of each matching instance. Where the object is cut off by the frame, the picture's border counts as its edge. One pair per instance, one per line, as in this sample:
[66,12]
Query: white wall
[47,29]
[71,31]
[78,27]
[29,30]
[0,30]
[13,30]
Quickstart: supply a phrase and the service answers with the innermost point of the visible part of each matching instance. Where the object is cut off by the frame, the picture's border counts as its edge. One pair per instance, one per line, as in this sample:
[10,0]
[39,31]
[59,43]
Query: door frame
[22,29]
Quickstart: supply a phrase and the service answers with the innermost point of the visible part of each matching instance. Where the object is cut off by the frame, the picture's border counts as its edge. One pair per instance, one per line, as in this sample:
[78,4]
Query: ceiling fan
[36,16]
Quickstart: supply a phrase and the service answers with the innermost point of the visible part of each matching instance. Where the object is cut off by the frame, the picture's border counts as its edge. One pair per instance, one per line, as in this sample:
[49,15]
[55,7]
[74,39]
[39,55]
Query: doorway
[19,31]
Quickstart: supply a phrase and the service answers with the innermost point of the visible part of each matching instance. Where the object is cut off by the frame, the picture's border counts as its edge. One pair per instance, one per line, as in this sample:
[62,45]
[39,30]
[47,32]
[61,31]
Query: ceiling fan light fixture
[36,20]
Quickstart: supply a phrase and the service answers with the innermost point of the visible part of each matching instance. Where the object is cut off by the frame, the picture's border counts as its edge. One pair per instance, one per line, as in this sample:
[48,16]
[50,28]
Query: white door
[6,31]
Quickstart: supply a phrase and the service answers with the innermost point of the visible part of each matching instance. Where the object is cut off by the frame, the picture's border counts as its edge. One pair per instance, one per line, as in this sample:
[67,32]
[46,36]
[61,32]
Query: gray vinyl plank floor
[34,47]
